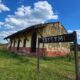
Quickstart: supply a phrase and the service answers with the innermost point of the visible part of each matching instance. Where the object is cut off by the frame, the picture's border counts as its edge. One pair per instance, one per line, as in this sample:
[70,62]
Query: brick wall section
[27,51]
[42,52]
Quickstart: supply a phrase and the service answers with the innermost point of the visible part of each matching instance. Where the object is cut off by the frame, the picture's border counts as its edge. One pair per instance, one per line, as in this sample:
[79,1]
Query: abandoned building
[25,42]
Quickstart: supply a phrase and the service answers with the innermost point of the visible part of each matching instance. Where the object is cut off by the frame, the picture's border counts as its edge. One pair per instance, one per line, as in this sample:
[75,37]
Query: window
[24,43]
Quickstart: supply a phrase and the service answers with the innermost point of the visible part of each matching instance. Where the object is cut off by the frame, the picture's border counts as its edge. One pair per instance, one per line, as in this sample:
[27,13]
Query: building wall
[50,49]
[55,49]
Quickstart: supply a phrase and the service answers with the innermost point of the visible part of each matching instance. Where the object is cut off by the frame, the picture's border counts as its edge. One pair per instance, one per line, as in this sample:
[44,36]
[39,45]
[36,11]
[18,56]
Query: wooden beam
[76,56]
[38,56]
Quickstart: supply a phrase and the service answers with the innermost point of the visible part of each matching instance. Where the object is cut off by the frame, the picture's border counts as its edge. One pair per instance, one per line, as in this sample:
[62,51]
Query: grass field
[13,67]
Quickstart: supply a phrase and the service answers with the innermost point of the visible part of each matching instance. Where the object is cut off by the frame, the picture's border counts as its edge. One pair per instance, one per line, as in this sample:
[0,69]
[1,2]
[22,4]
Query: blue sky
[18,14]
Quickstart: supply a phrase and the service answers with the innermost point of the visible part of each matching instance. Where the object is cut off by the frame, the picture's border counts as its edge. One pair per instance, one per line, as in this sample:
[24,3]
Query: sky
[16,15]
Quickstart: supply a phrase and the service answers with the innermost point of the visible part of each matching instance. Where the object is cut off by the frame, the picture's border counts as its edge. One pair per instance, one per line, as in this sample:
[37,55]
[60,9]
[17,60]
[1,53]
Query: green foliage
[16,67]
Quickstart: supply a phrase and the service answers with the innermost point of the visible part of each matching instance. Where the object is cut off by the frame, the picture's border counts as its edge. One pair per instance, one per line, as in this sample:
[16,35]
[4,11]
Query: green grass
[14,67]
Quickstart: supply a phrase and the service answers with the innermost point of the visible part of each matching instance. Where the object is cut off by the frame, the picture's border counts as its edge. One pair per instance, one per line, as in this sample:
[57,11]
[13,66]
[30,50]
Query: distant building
[25,42]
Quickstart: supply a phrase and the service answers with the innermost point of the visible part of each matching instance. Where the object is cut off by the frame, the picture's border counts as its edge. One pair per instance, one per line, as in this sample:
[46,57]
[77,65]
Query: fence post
[38,57]
[76,55]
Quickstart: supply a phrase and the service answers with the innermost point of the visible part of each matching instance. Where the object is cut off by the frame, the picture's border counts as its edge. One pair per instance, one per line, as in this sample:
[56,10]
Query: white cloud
[26,16]
[78,34]
[3,7]
[1,23]
[5,33]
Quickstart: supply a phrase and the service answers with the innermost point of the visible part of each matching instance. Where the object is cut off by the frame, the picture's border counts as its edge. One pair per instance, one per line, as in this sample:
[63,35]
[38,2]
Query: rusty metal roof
[30,28]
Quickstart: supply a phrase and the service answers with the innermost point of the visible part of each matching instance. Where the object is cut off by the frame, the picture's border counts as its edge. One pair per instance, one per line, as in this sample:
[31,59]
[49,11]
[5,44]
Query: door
[18,45]
[33,42]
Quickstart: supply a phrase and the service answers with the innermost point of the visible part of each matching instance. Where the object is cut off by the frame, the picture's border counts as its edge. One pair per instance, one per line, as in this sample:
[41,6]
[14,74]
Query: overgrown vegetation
[14,67]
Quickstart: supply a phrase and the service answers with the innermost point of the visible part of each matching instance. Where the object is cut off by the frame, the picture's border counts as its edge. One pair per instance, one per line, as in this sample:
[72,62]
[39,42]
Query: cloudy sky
[19,14]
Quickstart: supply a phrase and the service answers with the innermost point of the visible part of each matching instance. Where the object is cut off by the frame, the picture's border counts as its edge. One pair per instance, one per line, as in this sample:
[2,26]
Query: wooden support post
[38,57]
[10,44]
[76,55]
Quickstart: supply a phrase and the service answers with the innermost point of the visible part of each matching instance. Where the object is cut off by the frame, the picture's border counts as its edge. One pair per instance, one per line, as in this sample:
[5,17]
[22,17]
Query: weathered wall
[55,49]
[50,49]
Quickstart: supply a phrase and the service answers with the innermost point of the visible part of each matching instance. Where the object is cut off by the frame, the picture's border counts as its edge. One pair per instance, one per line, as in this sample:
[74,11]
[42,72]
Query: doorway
[33,42]
[18,45]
